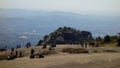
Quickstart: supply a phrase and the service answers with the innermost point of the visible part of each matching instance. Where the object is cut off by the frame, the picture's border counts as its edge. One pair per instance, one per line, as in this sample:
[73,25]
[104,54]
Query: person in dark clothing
[19,46]
[82,44]
[85,45]
[32,53]
[12,49]
[16,54]
[52,46]
[20,54]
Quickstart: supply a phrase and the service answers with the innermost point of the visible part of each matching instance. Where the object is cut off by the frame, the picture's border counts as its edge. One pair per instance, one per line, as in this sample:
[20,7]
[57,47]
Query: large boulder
[67,35]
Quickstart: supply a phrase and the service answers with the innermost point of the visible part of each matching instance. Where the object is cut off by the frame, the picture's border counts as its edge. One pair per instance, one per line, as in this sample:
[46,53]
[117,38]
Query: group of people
[32,55]
[15,54]
[40,55]
[84,45]
[18,46]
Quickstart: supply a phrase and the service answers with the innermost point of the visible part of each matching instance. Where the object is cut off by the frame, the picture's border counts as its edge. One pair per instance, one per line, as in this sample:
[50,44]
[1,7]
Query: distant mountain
[27,13]
[16,24]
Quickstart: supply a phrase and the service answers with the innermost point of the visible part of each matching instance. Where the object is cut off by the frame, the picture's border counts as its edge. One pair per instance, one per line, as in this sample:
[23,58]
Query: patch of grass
[104,50]
[110,44]
[48,52]
[97,51]
[3,57]
[74,50]
[110,50]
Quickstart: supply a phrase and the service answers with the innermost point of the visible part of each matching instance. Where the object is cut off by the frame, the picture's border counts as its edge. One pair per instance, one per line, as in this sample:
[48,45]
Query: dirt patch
[97,60]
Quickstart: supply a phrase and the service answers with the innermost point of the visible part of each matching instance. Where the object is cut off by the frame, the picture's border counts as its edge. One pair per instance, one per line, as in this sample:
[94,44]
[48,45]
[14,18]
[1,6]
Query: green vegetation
[107,39]
[67,35]
[118,41]
[3,57]
[40,42]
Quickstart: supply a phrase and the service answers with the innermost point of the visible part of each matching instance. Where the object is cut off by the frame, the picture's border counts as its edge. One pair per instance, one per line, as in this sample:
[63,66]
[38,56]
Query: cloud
[23,37]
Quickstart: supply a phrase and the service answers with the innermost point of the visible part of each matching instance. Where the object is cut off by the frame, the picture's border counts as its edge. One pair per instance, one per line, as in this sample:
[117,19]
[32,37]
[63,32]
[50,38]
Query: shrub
[107,39]
[92,43]
[74,50]
[40,42]
[3,57]
[104,50]
[97,51]
[110,50]
[118,41]
[48,52]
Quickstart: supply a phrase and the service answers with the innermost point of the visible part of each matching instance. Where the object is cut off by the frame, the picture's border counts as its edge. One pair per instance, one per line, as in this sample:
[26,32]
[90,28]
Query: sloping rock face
[67,35]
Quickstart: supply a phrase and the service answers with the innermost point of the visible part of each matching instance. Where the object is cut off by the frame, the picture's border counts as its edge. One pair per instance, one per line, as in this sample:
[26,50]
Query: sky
[76,6]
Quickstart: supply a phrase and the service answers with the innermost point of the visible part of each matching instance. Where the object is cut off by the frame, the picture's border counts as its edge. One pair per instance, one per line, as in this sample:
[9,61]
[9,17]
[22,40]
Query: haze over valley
[21,26]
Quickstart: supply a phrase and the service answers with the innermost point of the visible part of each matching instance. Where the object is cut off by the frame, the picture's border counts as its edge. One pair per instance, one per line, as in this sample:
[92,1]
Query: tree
[40,42]
[114,38]
[118,41]
[107,39]
[45,37]
[28,45]
[92,43]
[99,39]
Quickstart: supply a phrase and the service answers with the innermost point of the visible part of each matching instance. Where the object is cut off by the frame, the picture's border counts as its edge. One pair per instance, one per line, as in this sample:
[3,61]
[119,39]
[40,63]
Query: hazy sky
[77,6]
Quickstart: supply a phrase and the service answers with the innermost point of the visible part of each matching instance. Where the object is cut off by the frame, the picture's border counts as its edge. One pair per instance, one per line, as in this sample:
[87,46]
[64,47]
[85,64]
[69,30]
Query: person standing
[32,53]
[16,54]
